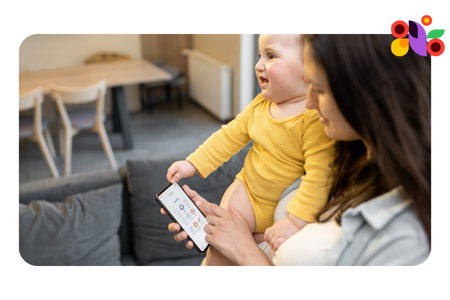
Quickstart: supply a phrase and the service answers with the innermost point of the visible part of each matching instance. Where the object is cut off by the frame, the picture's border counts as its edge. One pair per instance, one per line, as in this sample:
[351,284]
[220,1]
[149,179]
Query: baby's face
[280,68]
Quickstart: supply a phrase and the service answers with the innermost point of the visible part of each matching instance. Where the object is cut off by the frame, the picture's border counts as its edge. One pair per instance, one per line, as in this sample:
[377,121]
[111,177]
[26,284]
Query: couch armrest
[56,189]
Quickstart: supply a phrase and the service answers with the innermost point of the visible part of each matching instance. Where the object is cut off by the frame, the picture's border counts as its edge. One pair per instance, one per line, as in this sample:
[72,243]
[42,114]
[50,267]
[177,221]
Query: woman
[378,107]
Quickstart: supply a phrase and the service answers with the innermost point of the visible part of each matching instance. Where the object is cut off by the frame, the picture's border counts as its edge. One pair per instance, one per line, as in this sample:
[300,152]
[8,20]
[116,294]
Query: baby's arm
[312,194]
[223,144]
[318,150]
[217,149]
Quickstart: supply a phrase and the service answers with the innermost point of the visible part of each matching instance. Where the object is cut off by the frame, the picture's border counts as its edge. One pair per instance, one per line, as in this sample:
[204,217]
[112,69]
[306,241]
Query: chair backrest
[106,57]
[30,99]
[79,95]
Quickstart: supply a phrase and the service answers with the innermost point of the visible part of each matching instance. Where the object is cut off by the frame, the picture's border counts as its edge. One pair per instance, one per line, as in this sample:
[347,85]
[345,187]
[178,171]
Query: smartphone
[181,209]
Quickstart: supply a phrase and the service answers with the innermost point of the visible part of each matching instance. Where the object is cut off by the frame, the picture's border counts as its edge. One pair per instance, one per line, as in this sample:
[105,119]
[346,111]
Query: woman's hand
[175,227]
[228,232]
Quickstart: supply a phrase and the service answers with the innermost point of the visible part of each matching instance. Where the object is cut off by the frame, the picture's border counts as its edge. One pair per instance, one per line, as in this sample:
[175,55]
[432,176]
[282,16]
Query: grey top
[382,231]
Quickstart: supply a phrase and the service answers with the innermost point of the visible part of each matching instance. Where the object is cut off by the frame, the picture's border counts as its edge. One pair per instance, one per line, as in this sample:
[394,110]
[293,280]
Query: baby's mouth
[263,80]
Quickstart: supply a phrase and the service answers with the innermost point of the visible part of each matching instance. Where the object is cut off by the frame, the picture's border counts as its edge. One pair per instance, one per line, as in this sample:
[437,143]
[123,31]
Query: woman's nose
[311,99]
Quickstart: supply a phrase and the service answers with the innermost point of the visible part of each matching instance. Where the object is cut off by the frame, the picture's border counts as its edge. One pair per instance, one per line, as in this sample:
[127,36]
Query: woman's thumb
[189,192]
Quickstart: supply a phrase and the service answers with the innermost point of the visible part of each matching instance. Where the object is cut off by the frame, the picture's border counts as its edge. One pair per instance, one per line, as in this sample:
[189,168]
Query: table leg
[115,116]
[121,116]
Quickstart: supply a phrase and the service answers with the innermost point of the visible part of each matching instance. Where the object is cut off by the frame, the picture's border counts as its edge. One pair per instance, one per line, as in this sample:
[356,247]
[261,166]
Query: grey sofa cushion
[80,230]
[152,241]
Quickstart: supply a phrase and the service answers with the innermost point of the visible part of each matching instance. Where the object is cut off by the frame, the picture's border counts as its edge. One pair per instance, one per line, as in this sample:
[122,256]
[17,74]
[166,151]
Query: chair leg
[49,140]
[179,100]
[47,155]
[168,96]
[68,152]
[61,140]
[142,96]
[149,100]
[106,145]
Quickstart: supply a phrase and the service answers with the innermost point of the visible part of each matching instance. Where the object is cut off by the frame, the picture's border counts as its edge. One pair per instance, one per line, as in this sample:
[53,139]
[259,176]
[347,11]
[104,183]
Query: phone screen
[186,213]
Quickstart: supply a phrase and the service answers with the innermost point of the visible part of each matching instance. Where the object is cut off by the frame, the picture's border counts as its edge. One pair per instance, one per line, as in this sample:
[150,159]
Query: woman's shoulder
[393,232]
[403,241]
[389,210]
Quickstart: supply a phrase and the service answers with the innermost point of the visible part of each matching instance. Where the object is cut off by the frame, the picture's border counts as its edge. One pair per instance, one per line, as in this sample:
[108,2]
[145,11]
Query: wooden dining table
[117,74]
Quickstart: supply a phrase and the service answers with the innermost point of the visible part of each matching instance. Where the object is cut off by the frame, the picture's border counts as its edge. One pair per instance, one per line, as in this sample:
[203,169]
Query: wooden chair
[31,127]
[106,57]
[81,118]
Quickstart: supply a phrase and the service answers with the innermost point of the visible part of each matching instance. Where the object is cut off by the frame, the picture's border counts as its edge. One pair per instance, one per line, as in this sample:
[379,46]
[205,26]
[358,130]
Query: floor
[165,132]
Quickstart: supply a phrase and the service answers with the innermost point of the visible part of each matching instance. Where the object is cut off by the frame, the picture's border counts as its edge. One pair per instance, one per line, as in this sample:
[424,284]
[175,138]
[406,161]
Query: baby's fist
[180,169]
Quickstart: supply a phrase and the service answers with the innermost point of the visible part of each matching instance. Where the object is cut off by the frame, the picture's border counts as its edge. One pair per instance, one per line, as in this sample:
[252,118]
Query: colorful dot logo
[421,37]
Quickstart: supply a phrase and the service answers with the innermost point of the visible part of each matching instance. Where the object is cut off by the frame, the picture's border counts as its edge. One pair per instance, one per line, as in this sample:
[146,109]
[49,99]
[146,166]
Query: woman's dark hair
[387,101]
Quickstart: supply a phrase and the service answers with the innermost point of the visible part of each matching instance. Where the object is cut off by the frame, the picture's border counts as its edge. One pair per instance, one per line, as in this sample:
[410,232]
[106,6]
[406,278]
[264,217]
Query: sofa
[110,218]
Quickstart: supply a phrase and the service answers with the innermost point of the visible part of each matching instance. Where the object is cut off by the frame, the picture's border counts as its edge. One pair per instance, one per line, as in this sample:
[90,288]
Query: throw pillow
[80,230]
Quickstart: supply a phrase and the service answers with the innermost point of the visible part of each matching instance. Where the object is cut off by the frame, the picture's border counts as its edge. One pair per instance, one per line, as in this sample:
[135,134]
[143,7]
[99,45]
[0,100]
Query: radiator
[209,83]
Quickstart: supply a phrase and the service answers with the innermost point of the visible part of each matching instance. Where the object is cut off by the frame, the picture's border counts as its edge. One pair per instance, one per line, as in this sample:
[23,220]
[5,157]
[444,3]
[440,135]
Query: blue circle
[181,207]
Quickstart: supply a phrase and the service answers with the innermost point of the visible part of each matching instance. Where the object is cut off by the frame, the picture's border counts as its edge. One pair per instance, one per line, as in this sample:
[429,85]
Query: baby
[288,141]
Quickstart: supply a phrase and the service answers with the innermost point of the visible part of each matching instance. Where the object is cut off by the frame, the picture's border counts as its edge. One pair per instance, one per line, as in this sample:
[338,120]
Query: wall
[167,48]
[225,47]
[50,51]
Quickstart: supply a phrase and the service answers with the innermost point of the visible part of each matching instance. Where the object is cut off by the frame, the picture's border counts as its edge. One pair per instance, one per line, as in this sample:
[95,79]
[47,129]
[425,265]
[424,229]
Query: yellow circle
[426,20]
[404,43]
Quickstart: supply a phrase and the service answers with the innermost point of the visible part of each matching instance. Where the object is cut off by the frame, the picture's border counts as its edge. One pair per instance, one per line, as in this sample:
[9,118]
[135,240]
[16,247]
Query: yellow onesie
[283,150]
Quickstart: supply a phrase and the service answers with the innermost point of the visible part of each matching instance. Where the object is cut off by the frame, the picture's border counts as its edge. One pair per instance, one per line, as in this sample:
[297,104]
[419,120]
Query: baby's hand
[180,169]
[279,232]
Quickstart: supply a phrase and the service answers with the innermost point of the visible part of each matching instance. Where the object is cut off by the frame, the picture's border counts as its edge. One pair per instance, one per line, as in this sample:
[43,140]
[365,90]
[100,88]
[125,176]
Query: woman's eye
[317,91]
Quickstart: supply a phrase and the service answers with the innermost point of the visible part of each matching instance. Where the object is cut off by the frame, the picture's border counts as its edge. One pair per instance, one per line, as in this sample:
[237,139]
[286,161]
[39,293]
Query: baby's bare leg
[237,196]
